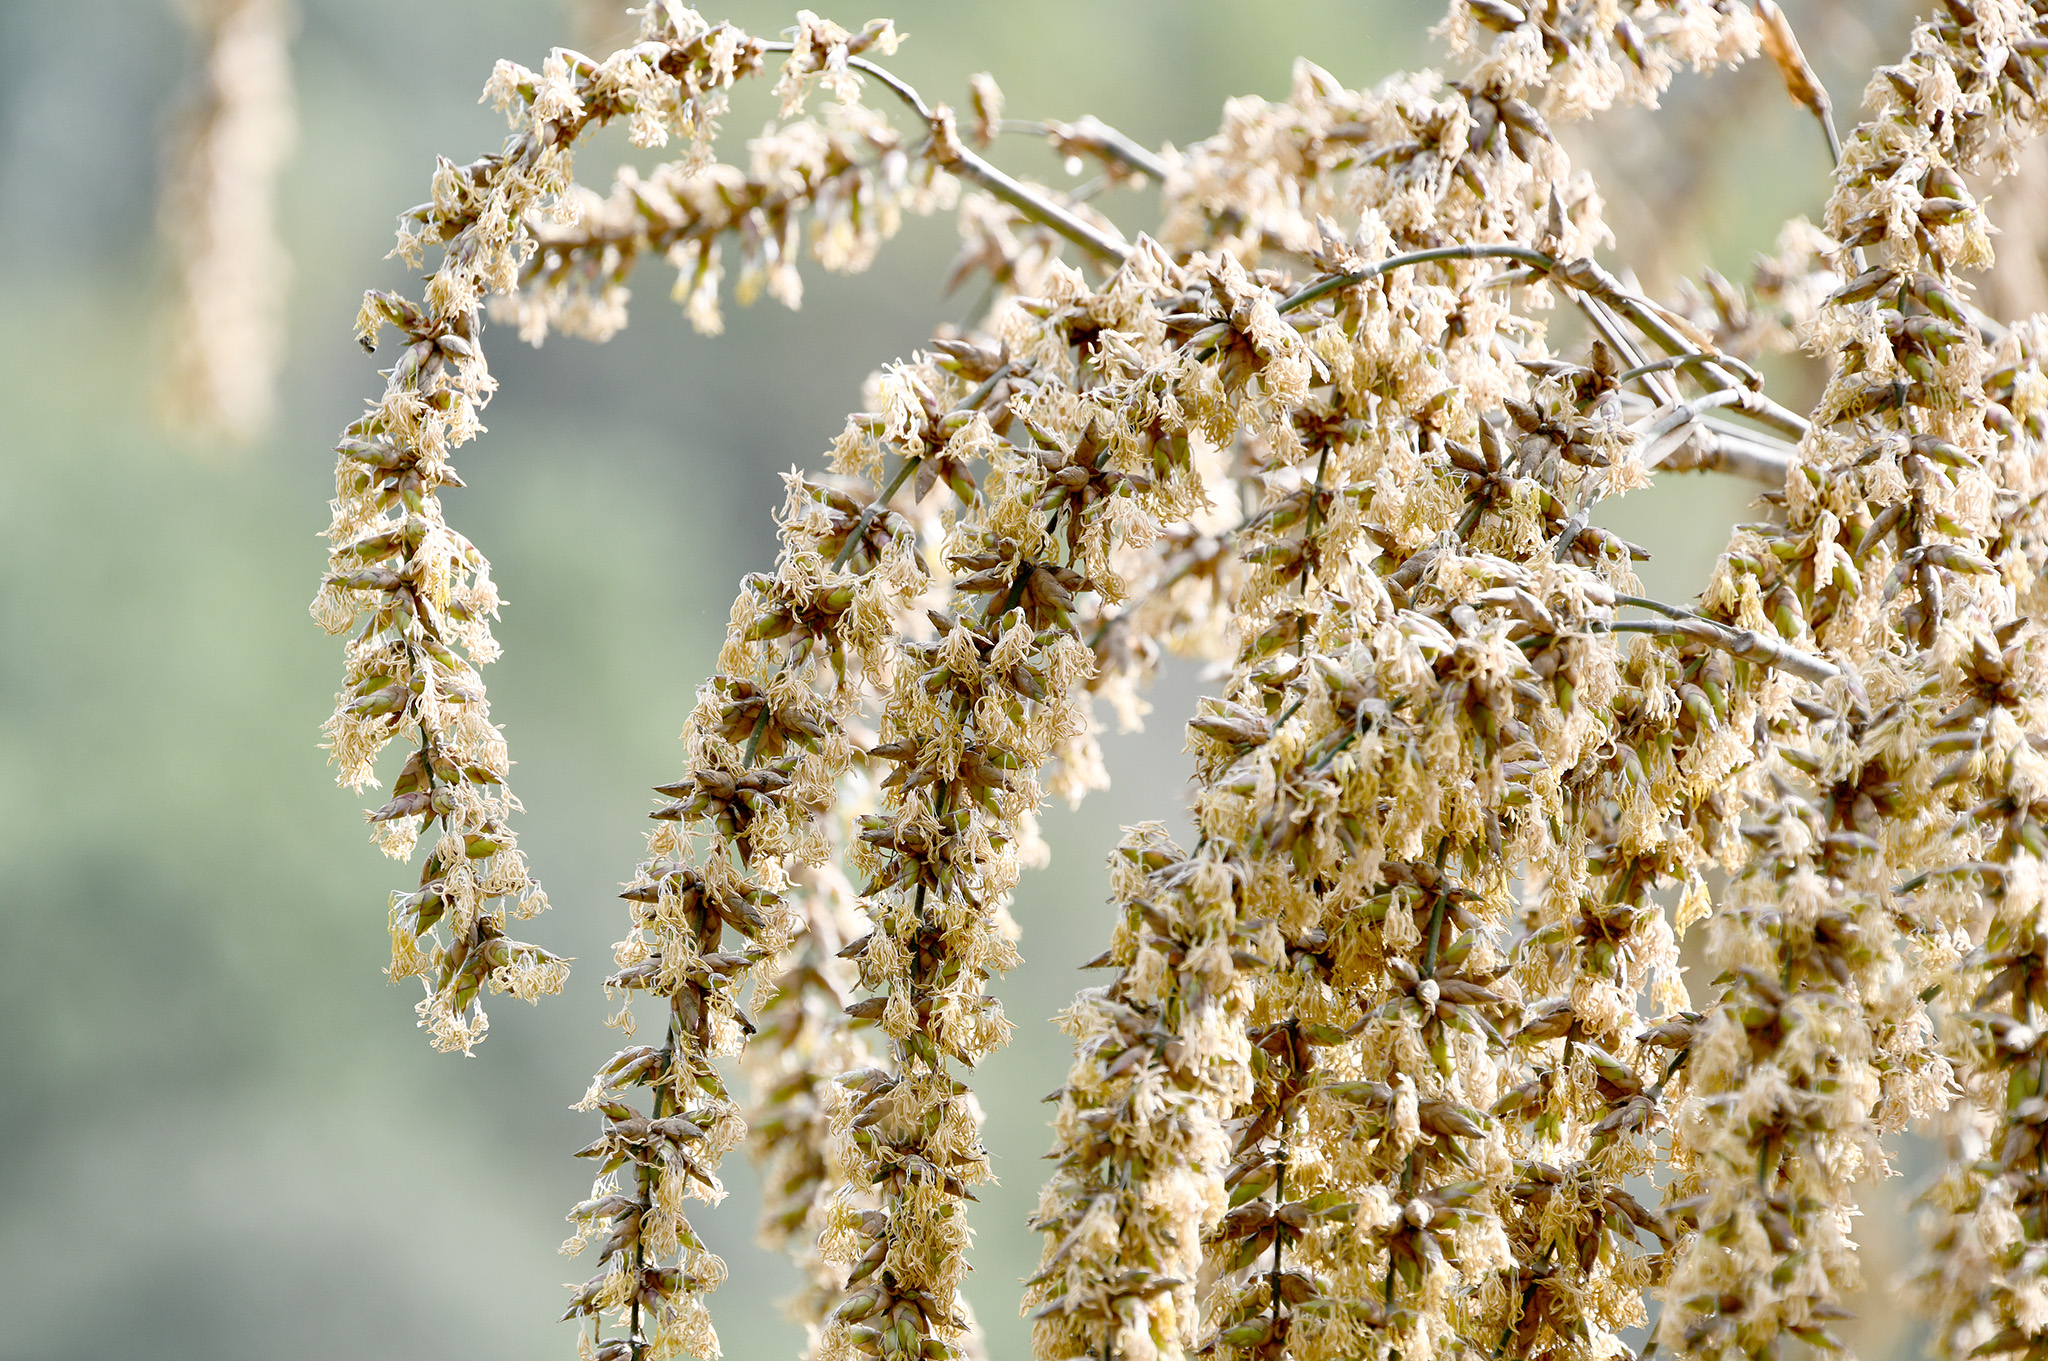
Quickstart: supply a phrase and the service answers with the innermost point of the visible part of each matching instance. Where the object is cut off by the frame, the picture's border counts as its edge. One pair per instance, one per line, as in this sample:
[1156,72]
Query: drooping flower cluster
[427,591]
[425,598]
[1397,1058]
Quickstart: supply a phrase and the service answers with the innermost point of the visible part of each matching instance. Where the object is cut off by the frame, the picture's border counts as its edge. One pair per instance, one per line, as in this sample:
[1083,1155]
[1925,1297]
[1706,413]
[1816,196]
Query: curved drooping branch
[426,590]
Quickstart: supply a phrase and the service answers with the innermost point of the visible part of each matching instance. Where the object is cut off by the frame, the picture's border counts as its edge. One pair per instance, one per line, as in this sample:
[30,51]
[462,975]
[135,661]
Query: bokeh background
[220,1134]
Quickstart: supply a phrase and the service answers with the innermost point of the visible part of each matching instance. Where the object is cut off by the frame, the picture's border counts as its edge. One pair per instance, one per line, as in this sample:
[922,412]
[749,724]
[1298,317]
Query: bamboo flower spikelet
[1397,1056]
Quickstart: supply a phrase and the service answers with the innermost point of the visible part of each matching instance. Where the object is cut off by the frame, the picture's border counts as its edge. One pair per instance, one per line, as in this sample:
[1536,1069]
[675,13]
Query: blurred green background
[220,1134]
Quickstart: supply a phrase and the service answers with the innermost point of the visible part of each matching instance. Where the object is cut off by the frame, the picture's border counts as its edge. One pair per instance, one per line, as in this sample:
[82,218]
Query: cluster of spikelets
[1397,1058]
[218,217]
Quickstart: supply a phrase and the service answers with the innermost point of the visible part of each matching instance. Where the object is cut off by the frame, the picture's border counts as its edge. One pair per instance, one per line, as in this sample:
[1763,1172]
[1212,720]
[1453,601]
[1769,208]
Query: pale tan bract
[1397,1058]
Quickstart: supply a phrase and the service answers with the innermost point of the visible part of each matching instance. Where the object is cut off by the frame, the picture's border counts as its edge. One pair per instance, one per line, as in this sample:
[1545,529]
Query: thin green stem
[1644,603]
[1017,588]
[1436,927]
[1745,644]
[874,508]
[754,741]
[1279,1240]
[1335,751]
[1583,276]
[1322,288]
[910,465]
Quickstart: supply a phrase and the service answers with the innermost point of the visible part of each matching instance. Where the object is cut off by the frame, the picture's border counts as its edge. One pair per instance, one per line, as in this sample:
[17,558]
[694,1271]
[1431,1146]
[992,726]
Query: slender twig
[1802,82]
[1745,644]
[1111,249]
[1107,245]
[1609,326]
[1762,409]
[1718,449]
[1751,379]
[638,1341]
[1094,136]
[988,385]
[1279,1239]
[1645,603]
[1723,449]
[1827,127]
[1690,359]
[1436,927]
[1739,377]
[1334,283]
[1729,451]
[1680,414]
[1322,288]
[1687,411]
[754,742]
